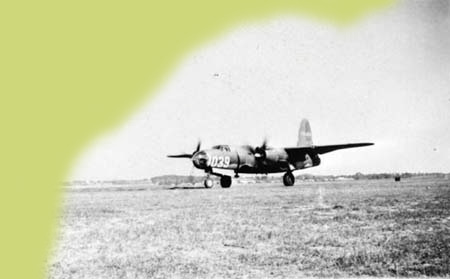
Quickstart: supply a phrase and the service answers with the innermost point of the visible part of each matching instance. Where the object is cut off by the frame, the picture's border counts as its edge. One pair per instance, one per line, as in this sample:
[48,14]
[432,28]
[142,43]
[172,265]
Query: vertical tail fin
[304,134]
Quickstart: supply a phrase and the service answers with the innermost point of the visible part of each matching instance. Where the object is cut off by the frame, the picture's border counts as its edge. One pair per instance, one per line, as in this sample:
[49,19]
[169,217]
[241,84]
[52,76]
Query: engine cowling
[260,153]
[315,160]
[311,160]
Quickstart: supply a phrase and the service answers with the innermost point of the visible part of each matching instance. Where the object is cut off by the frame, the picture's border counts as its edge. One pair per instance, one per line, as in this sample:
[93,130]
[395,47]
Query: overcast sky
[385,79]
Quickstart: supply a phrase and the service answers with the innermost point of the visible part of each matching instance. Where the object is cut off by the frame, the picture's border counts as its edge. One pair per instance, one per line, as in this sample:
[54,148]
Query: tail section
[304,134]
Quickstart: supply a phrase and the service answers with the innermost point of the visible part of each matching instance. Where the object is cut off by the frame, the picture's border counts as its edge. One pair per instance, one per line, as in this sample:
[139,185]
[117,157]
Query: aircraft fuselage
[242,160]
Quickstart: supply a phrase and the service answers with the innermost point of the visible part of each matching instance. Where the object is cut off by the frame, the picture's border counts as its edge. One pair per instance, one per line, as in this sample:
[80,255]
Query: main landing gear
[225,180]
[288,179]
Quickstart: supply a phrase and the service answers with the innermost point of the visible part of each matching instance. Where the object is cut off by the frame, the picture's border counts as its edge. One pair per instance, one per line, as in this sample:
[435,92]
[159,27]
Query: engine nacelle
[316,160]
[260,153]
[310,161]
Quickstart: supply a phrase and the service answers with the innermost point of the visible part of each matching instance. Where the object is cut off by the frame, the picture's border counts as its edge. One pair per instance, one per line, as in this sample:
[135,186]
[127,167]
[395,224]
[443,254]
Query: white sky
[386,80]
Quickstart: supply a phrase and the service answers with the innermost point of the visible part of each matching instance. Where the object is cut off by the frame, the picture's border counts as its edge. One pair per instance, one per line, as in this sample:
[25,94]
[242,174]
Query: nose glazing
[200,160]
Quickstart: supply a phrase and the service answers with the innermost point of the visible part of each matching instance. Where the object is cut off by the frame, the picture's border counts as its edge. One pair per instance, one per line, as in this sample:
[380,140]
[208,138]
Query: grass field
[346,228]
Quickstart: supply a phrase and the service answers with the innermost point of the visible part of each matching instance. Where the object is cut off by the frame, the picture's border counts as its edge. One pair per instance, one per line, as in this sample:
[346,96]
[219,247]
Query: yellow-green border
[71,70]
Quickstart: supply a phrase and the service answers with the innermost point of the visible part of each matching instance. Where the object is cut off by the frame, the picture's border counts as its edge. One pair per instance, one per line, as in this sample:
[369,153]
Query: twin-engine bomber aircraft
[262,159]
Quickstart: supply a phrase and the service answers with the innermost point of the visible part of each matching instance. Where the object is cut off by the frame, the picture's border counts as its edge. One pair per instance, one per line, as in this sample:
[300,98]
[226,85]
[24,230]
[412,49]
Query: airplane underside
[226,180]
[263,170]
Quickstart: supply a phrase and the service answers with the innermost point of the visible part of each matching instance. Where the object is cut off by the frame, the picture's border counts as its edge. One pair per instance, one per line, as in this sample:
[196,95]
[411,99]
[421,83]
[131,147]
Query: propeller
[187,155]
[260,151]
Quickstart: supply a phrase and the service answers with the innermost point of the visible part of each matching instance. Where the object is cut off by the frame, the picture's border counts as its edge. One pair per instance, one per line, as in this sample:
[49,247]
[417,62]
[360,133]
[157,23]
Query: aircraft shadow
[186,188]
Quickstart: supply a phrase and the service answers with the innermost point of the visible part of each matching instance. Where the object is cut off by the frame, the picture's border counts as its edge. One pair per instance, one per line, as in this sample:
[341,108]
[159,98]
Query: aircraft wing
[300,152]
[322,149]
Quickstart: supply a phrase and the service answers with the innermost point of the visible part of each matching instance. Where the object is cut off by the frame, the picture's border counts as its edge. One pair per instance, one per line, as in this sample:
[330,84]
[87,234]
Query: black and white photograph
[285,147]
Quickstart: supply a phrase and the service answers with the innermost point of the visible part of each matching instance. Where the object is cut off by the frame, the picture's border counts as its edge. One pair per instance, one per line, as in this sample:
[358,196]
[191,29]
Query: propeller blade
[249,148]
[264,145]
[198,147]
[186,155]
[180,156]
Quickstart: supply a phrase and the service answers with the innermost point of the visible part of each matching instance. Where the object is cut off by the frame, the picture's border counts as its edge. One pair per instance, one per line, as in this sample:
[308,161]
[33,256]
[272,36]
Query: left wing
[298,153]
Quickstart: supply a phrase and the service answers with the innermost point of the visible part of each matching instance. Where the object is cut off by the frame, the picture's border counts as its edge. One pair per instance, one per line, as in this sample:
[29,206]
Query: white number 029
[219,161]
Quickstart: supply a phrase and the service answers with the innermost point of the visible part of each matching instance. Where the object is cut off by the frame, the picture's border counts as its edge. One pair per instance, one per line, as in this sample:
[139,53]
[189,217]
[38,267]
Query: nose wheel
[288,179]
[208,183]
[225,180]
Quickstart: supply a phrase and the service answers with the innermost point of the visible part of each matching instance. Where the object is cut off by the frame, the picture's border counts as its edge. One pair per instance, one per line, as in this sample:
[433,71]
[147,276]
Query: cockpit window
[222,147]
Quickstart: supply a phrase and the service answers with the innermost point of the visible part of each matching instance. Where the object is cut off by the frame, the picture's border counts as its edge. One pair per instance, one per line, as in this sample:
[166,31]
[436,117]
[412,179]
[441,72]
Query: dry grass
[356,228]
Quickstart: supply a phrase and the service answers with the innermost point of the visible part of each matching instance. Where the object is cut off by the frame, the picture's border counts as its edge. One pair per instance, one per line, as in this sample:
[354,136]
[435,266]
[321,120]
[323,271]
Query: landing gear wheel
[225,181]
[208,183]
[288,179]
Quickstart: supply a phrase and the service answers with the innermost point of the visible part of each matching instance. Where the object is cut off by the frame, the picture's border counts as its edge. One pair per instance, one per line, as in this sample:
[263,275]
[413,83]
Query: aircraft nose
[200,160]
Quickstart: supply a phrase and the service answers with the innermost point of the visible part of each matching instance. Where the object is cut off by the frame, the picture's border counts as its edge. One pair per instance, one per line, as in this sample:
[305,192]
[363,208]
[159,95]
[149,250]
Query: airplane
[262,159]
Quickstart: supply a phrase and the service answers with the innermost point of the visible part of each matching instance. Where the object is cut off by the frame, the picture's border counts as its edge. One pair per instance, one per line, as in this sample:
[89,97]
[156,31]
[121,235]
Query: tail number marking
[219,161]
